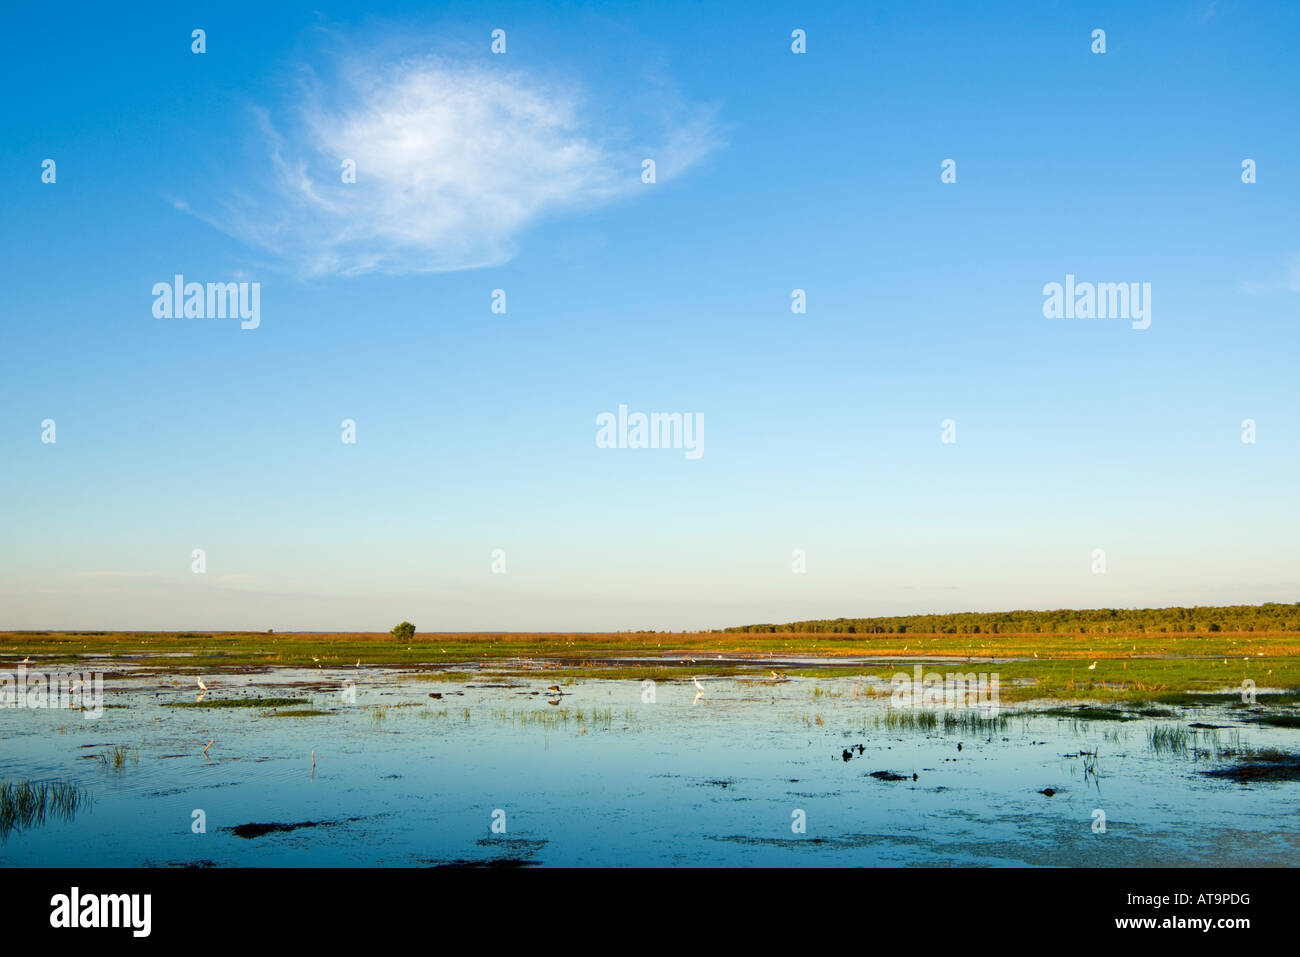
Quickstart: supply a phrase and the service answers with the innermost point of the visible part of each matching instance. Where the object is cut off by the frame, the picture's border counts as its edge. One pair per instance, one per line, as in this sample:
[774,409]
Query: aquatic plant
[118,756]
[911,720]
[973,722]
[1168,738]
[25,804]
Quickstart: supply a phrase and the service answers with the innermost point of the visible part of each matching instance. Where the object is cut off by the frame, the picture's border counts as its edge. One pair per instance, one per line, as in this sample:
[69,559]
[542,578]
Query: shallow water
[604,778]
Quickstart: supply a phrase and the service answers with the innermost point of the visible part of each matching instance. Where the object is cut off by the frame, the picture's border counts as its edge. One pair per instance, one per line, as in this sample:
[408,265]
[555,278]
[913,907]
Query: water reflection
[27,804]
[293,768]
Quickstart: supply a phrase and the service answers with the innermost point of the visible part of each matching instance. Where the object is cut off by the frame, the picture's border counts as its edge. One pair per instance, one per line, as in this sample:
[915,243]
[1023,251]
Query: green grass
[912,720]
[933,719]
[974,722]
[1158,669]
[118,757]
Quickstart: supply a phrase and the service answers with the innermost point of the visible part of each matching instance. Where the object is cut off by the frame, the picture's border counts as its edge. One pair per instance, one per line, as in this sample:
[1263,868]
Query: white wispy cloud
[1290,282]
[453,162]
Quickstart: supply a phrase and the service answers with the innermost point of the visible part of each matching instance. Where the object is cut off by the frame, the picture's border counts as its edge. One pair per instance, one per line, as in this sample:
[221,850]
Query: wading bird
[202,686]
[697,682]
[1093,666]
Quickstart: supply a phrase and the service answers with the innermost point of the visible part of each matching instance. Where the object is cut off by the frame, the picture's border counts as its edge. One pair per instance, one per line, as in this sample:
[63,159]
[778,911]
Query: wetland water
[605,778]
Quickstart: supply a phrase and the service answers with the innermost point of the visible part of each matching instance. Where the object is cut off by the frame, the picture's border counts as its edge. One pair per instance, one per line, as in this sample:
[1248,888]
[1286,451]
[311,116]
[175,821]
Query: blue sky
[522,172]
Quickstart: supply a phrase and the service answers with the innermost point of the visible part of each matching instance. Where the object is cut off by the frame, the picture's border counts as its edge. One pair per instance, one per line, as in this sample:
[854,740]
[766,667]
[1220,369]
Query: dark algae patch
[500,863]
[1091,714]
[889,776]
[250,831]
[241,703]
[1278,720]
[1264,767]
[514,852]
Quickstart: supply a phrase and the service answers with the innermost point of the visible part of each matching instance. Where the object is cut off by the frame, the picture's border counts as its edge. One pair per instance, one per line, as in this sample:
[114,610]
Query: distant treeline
[1270,617]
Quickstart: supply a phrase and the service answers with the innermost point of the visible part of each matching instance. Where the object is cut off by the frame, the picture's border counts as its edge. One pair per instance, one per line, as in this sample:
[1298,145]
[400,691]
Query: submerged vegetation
[598,719]
[1164,739]
[26,804]
[1260,766]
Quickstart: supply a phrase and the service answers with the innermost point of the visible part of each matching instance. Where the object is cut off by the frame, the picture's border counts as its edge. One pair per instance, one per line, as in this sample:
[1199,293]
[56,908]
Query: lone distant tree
[404,632]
